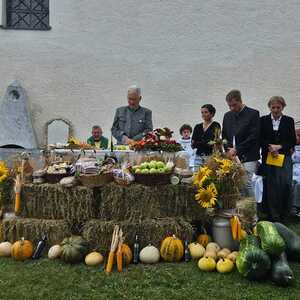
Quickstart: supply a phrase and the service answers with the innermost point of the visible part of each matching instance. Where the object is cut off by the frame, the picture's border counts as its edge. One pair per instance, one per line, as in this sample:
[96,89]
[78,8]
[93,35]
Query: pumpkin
[204,239]
[196,250]
[172,249]
[223,253]
[224,265]
[232,256]
[74,249]
[127,254]
[213,246]
[22,249]
[5,249]
[94,259]
[149,255]
[54,252]
[207,264]
[210,253]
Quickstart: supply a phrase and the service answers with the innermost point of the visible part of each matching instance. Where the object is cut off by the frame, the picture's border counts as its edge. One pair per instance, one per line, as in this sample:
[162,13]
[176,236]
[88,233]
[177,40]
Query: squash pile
[267,252]
[213,257]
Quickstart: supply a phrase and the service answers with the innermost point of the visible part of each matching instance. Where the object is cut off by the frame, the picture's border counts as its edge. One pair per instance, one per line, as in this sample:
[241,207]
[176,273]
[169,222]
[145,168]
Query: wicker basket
[55,178]
[92,181]
[153,179]
[229,201]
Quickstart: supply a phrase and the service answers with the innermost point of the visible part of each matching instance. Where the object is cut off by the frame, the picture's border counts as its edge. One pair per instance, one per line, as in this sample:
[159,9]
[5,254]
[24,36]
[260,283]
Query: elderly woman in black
[203,133]
[277,137]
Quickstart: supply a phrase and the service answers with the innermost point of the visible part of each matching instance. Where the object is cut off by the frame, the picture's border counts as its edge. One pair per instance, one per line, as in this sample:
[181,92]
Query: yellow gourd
[207,264]
[213,246]
[223,253]
[225,265]
[210,253]
[172,249]
[232,256]
[94,259]
[196,250]
[22,250]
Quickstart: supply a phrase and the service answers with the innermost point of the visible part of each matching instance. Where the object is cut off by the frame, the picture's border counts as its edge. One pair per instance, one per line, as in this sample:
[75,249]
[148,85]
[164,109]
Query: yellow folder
[275,161]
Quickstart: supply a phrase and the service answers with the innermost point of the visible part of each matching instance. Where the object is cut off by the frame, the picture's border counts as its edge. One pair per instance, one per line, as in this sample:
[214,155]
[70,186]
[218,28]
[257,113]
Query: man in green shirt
[97,140]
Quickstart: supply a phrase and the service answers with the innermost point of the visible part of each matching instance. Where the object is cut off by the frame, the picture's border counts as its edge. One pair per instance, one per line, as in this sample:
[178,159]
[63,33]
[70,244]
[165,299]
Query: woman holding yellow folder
[278,139]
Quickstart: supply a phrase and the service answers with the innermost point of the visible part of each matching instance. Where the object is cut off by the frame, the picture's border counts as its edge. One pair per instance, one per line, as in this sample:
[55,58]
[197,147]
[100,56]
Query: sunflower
[226,166]
[207,197]
[3,171]
[201,176]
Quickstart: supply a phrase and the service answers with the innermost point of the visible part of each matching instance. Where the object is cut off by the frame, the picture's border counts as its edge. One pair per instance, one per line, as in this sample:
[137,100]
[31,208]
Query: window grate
[27,14]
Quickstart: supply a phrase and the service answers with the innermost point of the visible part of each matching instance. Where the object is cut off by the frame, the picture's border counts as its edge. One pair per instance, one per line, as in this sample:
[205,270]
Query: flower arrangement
[4,182]
[158,140]
[217,181]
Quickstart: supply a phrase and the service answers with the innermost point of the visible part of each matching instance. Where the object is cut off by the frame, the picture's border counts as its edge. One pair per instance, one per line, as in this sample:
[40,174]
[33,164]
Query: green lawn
[46,279]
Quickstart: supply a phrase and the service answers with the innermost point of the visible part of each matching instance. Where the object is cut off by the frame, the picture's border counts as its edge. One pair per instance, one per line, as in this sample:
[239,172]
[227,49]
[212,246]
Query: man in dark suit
[241,128]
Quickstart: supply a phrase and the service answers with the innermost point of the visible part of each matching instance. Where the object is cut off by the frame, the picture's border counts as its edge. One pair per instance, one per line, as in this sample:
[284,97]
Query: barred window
[26,14]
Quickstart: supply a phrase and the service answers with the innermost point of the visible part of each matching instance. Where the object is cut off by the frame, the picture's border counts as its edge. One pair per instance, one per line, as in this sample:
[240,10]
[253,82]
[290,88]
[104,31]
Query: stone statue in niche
[16,130]
[58,131]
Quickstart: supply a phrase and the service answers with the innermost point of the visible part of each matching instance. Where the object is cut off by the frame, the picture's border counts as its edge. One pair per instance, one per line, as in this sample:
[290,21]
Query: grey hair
[96,127]
[136,89]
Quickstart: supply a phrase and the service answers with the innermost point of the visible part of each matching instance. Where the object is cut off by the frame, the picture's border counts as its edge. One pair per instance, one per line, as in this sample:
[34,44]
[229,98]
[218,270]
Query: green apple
[135,167]
[160,164]
[152,164]
[144,165]
[161,170]
[168,169]
[138,170]
[145,171]
[153,170]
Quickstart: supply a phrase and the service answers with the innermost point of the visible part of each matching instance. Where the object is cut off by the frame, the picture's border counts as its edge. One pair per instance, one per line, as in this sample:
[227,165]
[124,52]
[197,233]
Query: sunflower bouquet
[218,182]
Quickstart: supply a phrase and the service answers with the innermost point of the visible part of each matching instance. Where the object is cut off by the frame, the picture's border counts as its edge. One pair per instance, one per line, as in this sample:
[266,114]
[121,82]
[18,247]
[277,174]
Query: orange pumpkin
[22,249]
[203,239]
[127,254]
[172,249]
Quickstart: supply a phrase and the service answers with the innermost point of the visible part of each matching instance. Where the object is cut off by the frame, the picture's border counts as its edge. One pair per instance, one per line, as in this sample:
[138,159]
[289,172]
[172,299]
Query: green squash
[281,272]
[252,262]
[271,240]
[292,241]
[74,249]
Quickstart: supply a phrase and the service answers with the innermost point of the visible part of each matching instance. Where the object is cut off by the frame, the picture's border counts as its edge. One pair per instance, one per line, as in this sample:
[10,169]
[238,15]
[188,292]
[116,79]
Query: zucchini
[292,241]
[281,271]
[252,262]
[271,240]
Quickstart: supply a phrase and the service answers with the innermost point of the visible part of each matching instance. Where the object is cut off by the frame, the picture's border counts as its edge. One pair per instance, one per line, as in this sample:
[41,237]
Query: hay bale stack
[53,201]
[34,229]
[98,233]
[138,202]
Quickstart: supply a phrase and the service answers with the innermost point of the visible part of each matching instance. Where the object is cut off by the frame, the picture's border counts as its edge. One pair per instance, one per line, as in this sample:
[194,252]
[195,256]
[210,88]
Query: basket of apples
[153,172]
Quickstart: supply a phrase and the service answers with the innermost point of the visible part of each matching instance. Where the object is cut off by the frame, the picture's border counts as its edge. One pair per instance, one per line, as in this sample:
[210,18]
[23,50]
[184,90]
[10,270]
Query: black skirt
[277,194]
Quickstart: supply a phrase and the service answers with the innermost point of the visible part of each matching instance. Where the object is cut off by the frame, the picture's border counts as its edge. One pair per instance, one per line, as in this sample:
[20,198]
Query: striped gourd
[172,249]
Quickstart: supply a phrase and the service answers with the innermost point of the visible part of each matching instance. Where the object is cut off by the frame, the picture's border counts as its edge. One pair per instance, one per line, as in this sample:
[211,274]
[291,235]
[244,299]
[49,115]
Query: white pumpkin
[196,250]
[54,252]
[149,255]
[94,259]
[5,249]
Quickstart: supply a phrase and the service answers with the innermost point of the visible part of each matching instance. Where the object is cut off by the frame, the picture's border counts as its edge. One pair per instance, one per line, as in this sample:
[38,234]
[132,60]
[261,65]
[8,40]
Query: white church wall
[183,54]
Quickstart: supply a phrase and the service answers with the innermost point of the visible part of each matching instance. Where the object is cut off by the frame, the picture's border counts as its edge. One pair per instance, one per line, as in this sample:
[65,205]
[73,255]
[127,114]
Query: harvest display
[101,211]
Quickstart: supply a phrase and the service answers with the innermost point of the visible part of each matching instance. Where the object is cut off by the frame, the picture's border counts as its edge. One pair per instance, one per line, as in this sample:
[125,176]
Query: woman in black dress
[277,137]
[203,133]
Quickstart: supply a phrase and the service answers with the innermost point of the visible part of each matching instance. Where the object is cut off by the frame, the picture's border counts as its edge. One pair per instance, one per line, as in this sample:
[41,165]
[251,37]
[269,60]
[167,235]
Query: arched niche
[58,130]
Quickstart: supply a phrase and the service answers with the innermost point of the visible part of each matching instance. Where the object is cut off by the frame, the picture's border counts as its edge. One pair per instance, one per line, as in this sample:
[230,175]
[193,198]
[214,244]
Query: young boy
[186,140]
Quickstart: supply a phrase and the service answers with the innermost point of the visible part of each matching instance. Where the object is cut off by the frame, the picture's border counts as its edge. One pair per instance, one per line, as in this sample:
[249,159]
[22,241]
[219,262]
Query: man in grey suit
[133,121]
